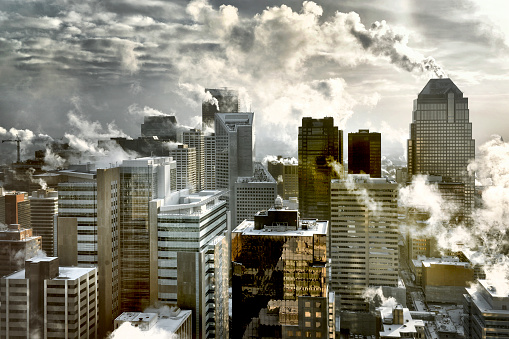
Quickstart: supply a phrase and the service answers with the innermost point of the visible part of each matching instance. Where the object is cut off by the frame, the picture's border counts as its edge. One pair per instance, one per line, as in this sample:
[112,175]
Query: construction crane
[18,141]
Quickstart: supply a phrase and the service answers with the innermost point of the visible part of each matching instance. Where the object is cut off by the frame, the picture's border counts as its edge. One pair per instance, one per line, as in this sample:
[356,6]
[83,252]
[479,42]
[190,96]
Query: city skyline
[120,62]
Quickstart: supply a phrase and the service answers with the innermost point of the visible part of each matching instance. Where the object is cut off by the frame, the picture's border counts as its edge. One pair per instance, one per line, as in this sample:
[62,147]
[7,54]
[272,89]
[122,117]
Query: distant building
[48,301]
[252,194]
[486,311]
[195,139]
[365,236]
[164,127]
[17,245]
[279,276]
[187,176]
[174,322]
[286,173]
[365,153]
[441,137]
[43,210]
[320,149]
[223,101]
[397,322]
[210,162]
[193,259]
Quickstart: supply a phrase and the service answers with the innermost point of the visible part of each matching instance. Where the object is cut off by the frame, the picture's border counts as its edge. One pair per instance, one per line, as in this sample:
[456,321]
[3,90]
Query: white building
[185,157]
[195,139]
[364,237]
[397,322]
[193,259]
[43,208]
[48,301]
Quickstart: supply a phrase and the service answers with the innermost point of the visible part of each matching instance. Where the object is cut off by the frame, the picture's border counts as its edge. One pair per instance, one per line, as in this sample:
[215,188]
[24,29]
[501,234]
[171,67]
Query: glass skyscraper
[441,136]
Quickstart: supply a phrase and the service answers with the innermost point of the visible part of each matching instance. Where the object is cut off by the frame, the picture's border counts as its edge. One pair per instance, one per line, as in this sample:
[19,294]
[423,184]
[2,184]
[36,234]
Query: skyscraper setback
[320,147]
[441,136]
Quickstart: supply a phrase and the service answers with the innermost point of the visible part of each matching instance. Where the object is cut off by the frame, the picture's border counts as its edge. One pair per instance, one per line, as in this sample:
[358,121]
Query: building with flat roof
[48,301]
[194,138]
[397,322]
[286,173]
[365,153]
[187,176]
[43,210]
[486,311]
[164,127]
[364,237]
[15,208]
[17,245]
[320,149]
[279,285]
[252,194]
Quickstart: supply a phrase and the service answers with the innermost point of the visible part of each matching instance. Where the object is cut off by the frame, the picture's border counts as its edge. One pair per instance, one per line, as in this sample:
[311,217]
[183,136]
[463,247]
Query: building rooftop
[146,161]
[65,273]
[260,175]
[311,227]
[391,330]
[182,202]
[440,87]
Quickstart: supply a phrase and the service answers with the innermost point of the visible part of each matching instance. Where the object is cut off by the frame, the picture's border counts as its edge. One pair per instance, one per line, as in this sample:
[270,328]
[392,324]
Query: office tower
[186,167]
[210,162]
[485,311]
[43,209]
[15,209]
[48,301]
[223,101]
[365,153]
[194,259]
[252,194]
[364,233]
[174,323]
[279,284]
[286,173]
[320,145]
[164,127]
[234,148]
[88,232]
[441,136]
[141,181]
[17,244]
[195,139]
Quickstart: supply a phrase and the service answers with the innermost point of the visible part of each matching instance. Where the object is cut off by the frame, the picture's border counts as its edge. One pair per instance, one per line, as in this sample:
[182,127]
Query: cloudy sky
[94,68]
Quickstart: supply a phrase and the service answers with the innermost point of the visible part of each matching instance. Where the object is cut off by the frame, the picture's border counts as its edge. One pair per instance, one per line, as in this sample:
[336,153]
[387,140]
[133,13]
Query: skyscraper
[224,101]
[210,162]
[320,147]
[161,126]
[43,208]
[364,232]
[17,244]
[441,136]
[186,167]
[365,153]
[195,139]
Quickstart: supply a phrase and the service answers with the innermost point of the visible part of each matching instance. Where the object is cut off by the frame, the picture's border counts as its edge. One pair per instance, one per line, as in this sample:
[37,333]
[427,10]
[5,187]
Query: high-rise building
[193,259]
[88,232]
[164,127]
[15,208]
[234,148]
[364,237]
[210,162]
[141,181]
[195,139]
[186,167]
[286,173]
[279,284]
[441,136]
[252,194]
[365,153]
[43,209]
[320,151]
[17,244]
[485,311]
[48,301]
[223,101]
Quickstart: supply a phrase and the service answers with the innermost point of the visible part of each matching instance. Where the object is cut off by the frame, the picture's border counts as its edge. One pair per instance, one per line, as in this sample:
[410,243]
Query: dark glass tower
[441,136]
[227,102]
[364,153]
[320,146]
